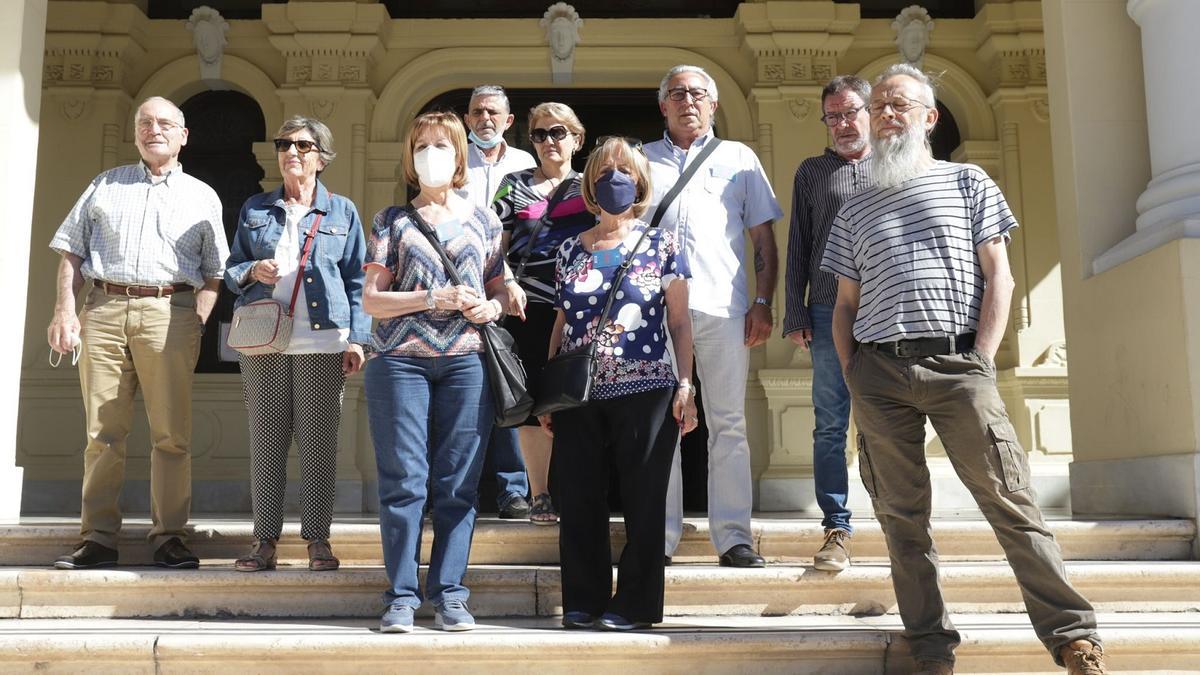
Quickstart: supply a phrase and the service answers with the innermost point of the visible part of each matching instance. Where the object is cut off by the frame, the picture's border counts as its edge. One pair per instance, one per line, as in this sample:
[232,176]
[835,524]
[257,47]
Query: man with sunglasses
[822,184]
[150,238]
[728,198]
[923,298]
[489,160]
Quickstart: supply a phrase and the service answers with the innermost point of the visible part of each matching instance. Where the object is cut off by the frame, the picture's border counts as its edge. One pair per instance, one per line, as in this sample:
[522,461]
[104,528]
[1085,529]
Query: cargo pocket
[865,470]
[1014,464]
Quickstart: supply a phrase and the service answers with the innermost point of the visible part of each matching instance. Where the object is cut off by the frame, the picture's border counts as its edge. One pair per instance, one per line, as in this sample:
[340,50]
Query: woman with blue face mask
[428,401]
[638,405]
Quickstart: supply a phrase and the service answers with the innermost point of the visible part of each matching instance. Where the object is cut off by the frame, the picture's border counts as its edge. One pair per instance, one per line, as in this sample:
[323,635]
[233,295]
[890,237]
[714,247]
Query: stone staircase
[787,618]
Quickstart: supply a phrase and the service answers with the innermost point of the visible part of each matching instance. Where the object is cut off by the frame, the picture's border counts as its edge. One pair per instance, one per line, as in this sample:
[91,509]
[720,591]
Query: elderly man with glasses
[822,184]
[923,297]
[150,238]
[728,198]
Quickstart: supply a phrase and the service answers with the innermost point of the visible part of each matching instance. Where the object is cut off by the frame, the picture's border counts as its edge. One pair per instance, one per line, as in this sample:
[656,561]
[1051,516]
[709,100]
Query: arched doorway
[222,128]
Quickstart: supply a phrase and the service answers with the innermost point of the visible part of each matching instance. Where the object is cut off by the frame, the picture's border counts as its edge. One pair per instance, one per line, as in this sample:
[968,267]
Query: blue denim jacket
[333,275]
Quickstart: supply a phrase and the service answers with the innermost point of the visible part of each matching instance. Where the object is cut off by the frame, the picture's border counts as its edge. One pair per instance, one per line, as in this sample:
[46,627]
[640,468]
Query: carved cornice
[795,43]
[88,59]
[334,43]
[1011,43]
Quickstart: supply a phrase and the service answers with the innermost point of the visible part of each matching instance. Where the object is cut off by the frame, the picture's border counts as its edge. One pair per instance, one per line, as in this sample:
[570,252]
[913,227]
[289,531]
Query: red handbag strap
[308,244]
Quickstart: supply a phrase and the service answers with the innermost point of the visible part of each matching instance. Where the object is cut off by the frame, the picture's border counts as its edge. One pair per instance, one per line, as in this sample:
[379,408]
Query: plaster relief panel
[770,69]
[1052,424]
[796,423]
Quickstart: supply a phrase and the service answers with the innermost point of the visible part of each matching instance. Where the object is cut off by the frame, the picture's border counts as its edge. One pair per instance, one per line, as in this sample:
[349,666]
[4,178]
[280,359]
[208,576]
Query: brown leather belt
[144,291]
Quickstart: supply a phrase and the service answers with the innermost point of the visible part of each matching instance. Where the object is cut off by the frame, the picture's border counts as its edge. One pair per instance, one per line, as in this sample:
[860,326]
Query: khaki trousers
[151,343]
[892,397]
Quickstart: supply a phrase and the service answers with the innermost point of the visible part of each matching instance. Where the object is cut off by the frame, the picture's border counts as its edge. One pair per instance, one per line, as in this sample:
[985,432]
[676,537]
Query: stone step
[535,591]
[38,541]
[1135,643]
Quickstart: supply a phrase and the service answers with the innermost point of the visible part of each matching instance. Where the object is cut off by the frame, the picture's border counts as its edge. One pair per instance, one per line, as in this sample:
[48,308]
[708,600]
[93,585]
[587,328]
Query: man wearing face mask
[489,157]
[727,199]
[489,160]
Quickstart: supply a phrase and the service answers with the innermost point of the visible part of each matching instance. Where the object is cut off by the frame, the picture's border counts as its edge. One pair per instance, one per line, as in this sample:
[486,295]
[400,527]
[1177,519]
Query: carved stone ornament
[323,108]
[913,26]
[208,35]
[73,108]
[1055,355]
[800,108]
[1041,109]
[561,23]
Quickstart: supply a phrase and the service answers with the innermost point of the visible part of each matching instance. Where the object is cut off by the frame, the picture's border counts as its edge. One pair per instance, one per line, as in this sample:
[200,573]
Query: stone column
[1132,323]
[22,40]
[1169,208]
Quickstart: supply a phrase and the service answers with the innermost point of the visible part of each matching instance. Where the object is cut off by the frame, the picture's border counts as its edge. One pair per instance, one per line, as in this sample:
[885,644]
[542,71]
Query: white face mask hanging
[56,357]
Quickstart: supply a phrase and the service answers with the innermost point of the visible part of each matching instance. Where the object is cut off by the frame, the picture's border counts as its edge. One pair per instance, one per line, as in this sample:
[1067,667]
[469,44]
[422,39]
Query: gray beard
[899,158]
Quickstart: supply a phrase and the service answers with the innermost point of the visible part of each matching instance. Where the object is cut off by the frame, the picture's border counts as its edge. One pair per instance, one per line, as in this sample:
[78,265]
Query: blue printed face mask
[615,191]
[492,142]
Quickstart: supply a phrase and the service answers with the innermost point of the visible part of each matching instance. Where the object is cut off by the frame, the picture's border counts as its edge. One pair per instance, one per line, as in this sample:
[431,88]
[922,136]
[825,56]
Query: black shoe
[578,620]
[174,555]
[612,621]
[514,508]
[666,561]
[87,555]
[742,555]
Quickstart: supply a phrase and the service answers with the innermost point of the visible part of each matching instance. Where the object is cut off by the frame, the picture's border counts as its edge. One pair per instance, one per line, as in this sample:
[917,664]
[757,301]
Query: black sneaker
[174,555]
[87,555]
[514,508]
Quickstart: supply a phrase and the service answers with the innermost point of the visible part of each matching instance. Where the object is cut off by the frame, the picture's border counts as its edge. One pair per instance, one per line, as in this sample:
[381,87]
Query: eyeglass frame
[832,120]
[547,134]
[285,144]
[875,108]
[680,94]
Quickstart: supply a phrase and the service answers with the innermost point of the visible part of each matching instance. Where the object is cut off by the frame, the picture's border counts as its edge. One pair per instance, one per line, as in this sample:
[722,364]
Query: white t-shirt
[483,179]
[304,340]
[726,197]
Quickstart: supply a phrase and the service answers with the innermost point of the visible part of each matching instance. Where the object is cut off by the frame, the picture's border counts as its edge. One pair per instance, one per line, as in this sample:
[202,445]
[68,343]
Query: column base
[11,482]
[1164,485]
[1144,241]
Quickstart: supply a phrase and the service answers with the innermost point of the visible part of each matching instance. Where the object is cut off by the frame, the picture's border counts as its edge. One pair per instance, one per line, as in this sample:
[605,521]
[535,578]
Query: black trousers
[636,434]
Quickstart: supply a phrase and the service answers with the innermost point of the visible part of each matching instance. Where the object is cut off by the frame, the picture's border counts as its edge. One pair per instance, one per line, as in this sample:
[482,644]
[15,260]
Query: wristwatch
[430,303]
[763,301]
[685,383]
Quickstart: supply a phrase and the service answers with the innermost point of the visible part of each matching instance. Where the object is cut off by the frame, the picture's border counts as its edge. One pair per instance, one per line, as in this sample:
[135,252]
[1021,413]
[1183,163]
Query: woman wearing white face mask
[428,401]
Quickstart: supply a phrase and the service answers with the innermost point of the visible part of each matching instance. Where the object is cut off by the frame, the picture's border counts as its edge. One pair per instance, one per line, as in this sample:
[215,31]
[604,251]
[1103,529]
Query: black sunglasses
[282,145]
[633,143]
[557,132]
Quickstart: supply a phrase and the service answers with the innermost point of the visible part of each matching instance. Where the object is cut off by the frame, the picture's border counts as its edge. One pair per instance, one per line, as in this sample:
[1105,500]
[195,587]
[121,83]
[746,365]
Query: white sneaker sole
[395,628]
[454,627]
[830,565]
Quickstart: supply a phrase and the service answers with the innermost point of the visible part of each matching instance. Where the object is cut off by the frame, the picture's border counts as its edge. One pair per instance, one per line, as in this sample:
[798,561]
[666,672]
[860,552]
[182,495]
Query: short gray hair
[320,133]
[160,99]
[915,73]
[850,83]
[662,86]
[494,91]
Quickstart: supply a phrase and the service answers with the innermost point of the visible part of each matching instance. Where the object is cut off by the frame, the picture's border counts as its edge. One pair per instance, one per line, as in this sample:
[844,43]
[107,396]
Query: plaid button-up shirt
[131,229]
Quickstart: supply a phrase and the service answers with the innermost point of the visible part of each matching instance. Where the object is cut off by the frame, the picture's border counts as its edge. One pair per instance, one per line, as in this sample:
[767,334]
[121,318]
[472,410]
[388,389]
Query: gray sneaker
[453,615]
[834,555]
[397,618]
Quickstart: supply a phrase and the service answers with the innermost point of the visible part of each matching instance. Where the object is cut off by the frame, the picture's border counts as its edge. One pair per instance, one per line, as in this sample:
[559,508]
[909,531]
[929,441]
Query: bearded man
[923,297]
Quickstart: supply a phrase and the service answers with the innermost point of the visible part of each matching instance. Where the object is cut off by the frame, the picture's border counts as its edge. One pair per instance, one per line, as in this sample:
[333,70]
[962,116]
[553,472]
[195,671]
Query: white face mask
[75,342]
[435,166]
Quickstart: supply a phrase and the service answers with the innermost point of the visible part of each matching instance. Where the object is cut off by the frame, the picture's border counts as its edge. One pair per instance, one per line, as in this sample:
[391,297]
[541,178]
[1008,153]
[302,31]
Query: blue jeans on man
[429,418]
[831,402]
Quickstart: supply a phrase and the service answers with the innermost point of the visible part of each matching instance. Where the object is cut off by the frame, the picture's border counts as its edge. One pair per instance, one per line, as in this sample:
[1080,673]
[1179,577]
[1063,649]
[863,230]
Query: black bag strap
[427,230]
[556,197]
[617,279]
[683,180]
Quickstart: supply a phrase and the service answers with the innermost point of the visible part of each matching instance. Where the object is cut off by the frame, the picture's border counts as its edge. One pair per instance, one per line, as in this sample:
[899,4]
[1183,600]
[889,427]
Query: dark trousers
[636,434]
[957,392]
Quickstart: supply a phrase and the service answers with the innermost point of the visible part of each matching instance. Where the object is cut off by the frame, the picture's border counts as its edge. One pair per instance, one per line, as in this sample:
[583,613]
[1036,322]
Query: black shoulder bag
[506,374]
[566,380]
[555,198]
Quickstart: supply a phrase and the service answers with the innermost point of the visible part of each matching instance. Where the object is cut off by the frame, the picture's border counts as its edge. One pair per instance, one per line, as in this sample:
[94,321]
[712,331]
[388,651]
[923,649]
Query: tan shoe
[1082,657]
[321,558]
[834,555]
[933,668]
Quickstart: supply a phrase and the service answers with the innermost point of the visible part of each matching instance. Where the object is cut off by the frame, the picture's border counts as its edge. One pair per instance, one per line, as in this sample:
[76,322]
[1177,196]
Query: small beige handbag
[263,326]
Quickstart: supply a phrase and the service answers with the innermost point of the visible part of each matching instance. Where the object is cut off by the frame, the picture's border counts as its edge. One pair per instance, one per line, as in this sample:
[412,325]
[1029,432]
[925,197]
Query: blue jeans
[831,401]
[429,417]
[505,448]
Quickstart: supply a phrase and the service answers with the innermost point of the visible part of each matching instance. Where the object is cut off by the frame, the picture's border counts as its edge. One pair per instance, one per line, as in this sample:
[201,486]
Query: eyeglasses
[302,147]
[557,132]
[633,143]
[835,118]
[899,105]
[166,125]
[681,93]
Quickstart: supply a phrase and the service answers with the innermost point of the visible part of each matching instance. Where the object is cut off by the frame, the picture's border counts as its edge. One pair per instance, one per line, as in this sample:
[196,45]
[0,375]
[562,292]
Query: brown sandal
[321,558]
[262,557]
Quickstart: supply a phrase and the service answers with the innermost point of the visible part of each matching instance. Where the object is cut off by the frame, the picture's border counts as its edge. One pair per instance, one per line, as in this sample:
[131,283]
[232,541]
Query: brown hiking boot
[834,555]
[933,668]
[1081,657]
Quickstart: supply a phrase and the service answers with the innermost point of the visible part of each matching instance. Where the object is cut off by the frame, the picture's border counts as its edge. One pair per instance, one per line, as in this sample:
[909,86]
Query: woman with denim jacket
[298,392]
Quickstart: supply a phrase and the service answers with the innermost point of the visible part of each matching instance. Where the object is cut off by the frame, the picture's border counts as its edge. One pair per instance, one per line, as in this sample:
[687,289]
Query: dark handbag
[566,380]
[567,377]
[511,400]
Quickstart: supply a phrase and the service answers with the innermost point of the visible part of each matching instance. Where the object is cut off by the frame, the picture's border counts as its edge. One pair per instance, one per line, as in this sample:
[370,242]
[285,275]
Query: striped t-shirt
[912,249]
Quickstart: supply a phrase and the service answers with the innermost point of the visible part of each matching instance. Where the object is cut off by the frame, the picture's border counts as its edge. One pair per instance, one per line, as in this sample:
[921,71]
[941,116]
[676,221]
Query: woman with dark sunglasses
[530,244]
[297,393]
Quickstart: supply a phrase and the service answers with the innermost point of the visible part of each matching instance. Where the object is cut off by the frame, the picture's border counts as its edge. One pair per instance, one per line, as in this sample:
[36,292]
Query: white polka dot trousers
[293,396]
